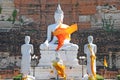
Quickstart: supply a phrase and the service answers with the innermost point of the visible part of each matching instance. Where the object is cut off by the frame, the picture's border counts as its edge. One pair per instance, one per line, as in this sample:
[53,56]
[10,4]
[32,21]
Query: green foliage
[14,15]
[21,20]
[18,77]
[99,77]
[118,77]
[0,9]
[108,24]
[13,21]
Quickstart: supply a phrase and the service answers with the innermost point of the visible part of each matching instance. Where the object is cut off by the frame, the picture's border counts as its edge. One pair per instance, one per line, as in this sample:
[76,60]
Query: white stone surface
[26,51]
[69,57]
[73,69]
[74,73]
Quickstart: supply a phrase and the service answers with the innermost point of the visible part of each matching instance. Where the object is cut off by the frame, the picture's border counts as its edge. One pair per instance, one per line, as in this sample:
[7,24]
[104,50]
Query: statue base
[69,58]
[72,73]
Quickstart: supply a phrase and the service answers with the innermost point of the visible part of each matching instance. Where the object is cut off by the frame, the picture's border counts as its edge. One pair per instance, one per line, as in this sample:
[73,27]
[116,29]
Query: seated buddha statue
[58,34]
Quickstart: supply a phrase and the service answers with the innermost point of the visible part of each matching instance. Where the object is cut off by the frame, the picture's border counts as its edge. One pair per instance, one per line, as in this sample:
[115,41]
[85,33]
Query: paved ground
[52,79]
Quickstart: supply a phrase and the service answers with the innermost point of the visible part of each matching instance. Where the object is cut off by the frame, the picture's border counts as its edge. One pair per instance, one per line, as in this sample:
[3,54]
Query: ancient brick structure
[42,12]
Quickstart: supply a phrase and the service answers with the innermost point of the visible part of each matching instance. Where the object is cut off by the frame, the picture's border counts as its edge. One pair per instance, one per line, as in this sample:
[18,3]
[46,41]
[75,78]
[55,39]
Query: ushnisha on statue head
[59,15]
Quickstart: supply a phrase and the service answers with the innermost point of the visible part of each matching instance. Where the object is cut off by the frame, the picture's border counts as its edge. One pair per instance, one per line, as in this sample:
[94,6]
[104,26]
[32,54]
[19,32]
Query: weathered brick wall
[105,41]
[43,10]
[46,8]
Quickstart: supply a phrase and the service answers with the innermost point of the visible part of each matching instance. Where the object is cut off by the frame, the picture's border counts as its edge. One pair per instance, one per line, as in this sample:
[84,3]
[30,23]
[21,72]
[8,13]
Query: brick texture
[42,11]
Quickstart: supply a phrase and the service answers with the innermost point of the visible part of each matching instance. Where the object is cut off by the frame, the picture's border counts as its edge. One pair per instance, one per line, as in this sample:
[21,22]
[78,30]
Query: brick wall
[72,9]
[46,8]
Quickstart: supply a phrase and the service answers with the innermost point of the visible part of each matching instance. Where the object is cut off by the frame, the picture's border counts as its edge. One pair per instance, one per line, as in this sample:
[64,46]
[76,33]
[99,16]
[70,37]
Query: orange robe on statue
[92,57]
[60,69]
[64,33]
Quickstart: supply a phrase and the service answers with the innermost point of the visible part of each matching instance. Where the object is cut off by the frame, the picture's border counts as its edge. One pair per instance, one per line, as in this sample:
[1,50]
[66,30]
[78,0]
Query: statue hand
[46,44]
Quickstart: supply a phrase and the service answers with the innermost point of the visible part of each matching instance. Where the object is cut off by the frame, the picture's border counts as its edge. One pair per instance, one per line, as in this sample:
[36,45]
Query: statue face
[90,39]
[27,39]
[58,18]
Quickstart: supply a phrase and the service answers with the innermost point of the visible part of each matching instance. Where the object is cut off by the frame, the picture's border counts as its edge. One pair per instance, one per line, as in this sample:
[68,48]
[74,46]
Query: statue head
[90,39]
[27,39]
[59,15]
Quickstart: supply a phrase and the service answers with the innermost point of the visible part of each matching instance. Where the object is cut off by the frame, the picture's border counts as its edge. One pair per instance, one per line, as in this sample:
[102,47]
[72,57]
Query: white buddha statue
[90,50]
[26,51]
[51,42]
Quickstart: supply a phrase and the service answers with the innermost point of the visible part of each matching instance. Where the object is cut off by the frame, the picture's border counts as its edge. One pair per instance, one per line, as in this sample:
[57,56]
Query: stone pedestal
[74,73]
[73,70]
[69,57]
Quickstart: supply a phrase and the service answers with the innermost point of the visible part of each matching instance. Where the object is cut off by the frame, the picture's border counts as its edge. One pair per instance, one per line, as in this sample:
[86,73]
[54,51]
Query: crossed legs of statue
[68,46]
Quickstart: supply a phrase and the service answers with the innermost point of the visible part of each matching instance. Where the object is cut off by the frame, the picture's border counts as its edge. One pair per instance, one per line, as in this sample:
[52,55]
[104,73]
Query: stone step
[71,73]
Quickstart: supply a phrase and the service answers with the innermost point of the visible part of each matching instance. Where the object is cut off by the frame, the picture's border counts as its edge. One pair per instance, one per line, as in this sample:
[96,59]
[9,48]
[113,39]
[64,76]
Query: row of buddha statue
[58,38]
